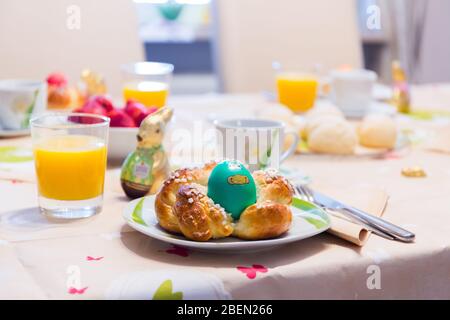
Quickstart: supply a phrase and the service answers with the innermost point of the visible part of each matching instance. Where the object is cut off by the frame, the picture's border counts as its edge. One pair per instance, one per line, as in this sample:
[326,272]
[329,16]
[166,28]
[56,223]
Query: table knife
[375,222]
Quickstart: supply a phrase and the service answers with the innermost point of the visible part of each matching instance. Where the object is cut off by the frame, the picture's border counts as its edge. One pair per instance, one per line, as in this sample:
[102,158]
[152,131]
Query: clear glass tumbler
[70,159]
[147,82]
[296,90]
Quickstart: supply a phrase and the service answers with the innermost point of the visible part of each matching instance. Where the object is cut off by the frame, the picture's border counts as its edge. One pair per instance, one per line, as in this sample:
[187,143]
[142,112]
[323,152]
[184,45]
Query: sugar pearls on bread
[183,206]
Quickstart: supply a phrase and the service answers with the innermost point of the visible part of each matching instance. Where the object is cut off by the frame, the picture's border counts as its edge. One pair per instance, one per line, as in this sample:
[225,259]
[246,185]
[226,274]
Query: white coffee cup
[255,142]
[351,90]
[19,101]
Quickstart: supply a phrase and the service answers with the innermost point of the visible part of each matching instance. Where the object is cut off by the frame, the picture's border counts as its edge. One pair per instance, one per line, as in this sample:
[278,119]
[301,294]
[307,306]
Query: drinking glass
[70,160]
[297,91]
[147,82]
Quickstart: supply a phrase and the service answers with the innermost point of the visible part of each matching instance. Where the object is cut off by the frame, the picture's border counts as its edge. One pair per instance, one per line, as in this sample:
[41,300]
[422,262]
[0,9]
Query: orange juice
[70,167]
[149,93]
[297,92]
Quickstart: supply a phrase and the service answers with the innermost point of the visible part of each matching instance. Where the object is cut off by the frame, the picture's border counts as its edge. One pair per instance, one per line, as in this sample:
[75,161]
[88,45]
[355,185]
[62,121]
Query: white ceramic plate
[374,107]
[14,133]
[308,220]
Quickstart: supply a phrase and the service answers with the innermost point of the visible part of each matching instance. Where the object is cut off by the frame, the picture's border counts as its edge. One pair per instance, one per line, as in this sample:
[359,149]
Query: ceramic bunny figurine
[144,170]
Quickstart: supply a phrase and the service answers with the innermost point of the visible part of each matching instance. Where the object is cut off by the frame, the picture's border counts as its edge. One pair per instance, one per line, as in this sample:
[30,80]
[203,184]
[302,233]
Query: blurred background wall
[434,58]
[299,34]
[39,37]
[224,45]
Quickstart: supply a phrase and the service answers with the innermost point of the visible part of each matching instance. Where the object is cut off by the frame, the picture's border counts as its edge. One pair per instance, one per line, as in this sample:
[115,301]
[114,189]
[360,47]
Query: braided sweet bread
[182,206]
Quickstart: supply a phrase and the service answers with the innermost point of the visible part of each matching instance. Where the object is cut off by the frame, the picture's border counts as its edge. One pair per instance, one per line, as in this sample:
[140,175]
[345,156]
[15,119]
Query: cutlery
[382,227]
[308,197]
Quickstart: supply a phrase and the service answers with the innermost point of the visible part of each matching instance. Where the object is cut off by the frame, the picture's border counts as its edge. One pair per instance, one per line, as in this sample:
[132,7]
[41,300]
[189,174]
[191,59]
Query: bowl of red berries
[124,123]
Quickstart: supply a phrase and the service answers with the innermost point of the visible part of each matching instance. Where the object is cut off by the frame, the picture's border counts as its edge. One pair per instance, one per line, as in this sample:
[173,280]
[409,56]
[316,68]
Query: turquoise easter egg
[232,187]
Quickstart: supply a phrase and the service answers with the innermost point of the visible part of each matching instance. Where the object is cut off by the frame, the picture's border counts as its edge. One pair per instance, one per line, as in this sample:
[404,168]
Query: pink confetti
[73,290]
[89,258]
[250,272]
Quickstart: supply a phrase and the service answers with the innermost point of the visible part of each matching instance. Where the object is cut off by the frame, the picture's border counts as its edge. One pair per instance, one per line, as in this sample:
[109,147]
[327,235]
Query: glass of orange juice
[70,160]
[147,82]
[297,91]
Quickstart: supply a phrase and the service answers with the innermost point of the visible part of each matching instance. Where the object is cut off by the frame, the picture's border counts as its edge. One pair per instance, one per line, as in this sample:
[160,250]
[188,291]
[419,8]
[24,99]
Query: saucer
[14,133]
[374,107]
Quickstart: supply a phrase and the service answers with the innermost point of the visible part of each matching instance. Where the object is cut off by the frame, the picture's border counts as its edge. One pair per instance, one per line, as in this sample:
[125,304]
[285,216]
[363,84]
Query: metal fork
[305,193]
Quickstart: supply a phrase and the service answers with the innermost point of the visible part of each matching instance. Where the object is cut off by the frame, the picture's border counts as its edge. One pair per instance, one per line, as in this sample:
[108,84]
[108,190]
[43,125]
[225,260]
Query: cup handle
[292,147]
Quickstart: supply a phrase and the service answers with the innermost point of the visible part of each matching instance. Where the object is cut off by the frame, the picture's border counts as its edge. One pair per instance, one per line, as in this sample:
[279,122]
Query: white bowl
[121,142]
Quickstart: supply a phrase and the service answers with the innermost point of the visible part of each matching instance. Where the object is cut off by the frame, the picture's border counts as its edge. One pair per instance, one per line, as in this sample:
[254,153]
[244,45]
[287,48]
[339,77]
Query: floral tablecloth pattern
[102,258]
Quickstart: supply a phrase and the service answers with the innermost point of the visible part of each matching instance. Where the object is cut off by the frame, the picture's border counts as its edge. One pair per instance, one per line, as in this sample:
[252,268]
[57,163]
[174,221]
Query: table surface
[101,257]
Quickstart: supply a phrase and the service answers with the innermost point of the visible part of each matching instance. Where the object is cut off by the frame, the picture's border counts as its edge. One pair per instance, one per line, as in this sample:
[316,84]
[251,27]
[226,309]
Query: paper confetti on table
[250,272]
[89,258]
[73,290]
[164,292]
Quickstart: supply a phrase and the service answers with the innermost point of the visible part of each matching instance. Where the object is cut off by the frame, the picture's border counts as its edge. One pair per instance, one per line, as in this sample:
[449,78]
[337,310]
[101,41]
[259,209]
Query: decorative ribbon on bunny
[147,167]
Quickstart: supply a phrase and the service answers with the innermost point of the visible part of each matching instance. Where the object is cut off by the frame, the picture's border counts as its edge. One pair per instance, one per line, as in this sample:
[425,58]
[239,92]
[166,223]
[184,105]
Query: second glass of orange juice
[147,82]
[70,160]
[296,91]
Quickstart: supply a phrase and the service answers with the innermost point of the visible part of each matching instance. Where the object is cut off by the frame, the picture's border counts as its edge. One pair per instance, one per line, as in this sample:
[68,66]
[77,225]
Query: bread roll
[335,136]
[318,115]
[378,131]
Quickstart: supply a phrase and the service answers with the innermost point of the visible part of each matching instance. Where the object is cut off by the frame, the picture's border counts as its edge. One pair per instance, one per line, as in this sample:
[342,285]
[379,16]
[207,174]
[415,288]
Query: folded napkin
[368,198]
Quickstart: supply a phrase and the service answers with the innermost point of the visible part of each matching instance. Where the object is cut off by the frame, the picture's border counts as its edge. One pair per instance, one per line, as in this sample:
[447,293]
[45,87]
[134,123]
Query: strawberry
[56,79]
[76,119]
[136,110]
[93,108]
[85,120]
[148,112]
[120,119]
[99,101]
